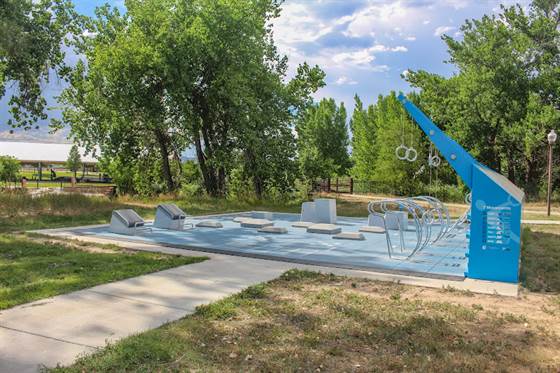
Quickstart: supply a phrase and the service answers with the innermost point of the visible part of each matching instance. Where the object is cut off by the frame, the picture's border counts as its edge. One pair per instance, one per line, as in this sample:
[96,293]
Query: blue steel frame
[495,230]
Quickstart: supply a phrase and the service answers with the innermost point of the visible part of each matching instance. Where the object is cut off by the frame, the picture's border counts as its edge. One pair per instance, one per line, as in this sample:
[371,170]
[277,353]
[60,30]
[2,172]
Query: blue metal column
[495,232]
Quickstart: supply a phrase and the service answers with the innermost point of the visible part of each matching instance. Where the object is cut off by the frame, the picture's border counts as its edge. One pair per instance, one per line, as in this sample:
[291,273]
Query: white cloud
[457,4]
[405,73]
[380,68]
[393,16]
[344,80]
[297,24]
[360,58]
[410,38]
[442,30]
[426,22]
[364,57]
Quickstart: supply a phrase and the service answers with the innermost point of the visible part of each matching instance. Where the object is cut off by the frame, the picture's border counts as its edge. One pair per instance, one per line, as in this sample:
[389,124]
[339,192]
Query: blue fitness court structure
[409,235]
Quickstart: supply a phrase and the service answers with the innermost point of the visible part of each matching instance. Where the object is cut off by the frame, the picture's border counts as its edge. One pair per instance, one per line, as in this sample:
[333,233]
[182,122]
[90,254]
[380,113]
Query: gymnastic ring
[434,161]
[408,157]
[397,151]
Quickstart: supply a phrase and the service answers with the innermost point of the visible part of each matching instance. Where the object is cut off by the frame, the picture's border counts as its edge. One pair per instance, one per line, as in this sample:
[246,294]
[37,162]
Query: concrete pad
[256,223]
[372,229]
[209,224]
[324,229]
[349,236]
[303,224]
[23,352]
[88,318]
[60,328]
[276,230]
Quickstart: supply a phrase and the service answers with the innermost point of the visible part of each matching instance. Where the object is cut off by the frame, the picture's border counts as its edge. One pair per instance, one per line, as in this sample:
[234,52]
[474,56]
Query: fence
[349,185]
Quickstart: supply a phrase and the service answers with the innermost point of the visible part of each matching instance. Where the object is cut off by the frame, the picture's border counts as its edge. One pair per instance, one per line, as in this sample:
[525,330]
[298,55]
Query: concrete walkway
[541,222]
[57,330]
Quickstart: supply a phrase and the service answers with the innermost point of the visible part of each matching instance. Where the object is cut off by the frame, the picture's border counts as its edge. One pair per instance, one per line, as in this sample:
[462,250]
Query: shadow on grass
[540,261]
[312,323]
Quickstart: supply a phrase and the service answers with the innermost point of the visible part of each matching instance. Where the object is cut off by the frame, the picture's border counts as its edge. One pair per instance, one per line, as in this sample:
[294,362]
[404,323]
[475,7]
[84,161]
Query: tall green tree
[505,96]
[394,128]
[31,50]
[169,74]
[323,140]
[74,161]
[364,147]
[118,99]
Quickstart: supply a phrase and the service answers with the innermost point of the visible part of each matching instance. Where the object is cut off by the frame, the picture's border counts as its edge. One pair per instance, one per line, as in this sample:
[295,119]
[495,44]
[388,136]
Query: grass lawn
[540,258]
[309,322]
[32,269]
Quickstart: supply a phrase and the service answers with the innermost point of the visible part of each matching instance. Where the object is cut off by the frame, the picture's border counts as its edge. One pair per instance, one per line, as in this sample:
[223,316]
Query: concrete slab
[67,325]
[22,352]
[372,229]
[349,236]
[324,229]
[302,224]
[209,224]
[276,230]
[256,223]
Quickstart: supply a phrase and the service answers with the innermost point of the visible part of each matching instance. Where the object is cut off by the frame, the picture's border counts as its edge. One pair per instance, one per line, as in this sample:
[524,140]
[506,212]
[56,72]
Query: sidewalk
[58,329]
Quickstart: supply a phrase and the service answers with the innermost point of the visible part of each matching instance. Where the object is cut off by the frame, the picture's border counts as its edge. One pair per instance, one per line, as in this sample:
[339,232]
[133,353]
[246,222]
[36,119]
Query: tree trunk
[164,151]
[208,174]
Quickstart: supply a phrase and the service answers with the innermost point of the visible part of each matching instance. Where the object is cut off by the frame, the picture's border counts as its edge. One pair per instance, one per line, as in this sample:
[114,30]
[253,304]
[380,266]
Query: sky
[364,46]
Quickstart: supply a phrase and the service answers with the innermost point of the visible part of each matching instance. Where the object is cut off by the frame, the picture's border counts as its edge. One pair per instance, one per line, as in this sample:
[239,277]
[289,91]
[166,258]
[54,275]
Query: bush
[9,169]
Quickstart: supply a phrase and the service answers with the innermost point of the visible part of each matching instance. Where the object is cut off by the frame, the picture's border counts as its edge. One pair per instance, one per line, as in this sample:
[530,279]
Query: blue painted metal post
[495,232]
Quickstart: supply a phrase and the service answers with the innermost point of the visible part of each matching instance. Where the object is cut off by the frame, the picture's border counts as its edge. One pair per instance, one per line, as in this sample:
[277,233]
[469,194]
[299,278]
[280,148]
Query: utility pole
[551,137]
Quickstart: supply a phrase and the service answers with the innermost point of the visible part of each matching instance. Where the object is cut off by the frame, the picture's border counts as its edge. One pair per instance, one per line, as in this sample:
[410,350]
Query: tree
[74,161]
[31,49]
[509,69]
[9,169]
[393,128]
[171,73]
[364,147]
[118,99]
[323,140]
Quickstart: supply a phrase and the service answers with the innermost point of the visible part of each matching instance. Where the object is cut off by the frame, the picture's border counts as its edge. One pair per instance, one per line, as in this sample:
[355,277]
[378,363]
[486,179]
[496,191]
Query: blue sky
[363,45]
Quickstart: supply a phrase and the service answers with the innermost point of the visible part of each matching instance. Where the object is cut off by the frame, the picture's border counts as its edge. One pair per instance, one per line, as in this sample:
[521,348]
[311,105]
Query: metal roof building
[45,153]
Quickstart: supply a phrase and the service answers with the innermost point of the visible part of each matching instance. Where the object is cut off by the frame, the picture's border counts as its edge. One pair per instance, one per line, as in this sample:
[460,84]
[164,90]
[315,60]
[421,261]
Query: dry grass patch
[309,322]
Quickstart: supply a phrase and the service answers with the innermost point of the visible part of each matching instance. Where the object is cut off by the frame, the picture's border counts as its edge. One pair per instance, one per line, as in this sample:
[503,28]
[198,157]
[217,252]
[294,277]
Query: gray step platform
[256,223]
[372,229]
[209,224]
[349,236]
[303,224]
[324,229]
[276,230]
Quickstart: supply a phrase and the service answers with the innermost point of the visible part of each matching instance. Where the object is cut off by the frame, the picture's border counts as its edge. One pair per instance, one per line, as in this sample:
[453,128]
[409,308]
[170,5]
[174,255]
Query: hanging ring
[434,161]
[399,150]
[411,154]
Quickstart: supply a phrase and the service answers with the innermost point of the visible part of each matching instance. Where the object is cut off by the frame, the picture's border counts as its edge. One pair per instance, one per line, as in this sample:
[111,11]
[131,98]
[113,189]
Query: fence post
[337,185]
[329,185]
[351,185]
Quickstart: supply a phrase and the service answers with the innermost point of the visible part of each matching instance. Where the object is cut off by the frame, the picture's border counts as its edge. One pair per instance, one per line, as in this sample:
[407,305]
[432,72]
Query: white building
[44,155]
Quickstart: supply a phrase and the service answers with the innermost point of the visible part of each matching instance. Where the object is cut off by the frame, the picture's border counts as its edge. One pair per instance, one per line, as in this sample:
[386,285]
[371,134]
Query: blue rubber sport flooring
[445,259]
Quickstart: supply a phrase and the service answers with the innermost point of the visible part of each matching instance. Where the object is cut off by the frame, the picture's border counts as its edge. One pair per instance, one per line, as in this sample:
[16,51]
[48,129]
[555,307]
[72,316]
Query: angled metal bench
[169,216]
[128,222]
